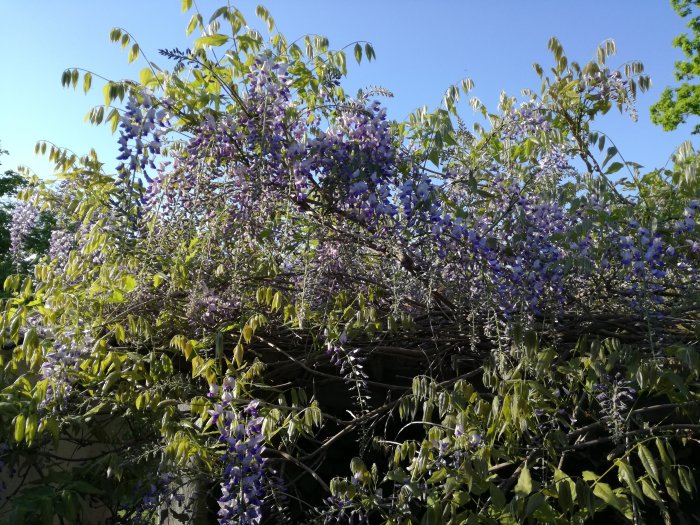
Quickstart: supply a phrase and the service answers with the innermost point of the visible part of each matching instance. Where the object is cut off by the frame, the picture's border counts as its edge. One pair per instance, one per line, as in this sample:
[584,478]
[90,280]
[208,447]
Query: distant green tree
[10,183]
[678,103]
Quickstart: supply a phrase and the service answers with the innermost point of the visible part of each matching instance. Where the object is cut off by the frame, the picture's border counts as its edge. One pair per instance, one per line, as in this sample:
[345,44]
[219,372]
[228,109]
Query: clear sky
[421,47]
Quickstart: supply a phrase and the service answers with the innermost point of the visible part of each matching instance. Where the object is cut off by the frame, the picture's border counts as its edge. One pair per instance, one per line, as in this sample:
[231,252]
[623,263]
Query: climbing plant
[284,306]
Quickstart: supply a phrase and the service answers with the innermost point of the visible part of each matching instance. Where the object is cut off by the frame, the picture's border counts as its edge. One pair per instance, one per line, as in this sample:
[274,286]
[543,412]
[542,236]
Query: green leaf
[115,34]
[524,485]
[20,422]
[648,462]
[12,281]
[96,409]
[358,53]
[238,354]
[116,297]
[158,279]
[460,498]
[434,156]
[31,340]
[433,514]
[140,401]
[612,151]
[649,491]
[265,17]
[211,40]
[437,476]
[107,92]
[113,117]
[186,5]
[357,466]
[604,492]
[133,53]
[584,496]
[119,334]
[192,25]
[498,499]
[128,283]
[65,78]
[614,168]
[626,474]
[534,502]
[146,76]
[247,333]
[277,301]
[566,501]
[87,82]
[686,478]
[111,381]
[31,427]
[590,476]
[663,454]
[369,52]
[672,486]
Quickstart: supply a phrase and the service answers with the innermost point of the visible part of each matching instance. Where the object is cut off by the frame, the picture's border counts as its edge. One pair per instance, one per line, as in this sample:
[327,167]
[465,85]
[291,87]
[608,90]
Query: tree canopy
[10,181]
[285,307]
[679,103]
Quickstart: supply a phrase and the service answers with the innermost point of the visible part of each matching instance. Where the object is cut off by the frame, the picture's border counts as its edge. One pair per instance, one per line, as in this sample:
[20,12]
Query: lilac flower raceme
[155,495]
[60,245]
[24,218]
[615,396]
[140,130]
[606,86]
[243,479]
[516,259]
[243,482]
[355,162]
[59,367]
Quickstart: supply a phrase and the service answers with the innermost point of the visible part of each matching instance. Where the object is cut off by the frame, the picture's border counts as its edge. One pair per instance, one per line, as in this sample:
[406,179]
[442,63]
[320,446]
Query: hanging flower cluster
[60,365]
[243,477]
[60,245]
[609,87]
[24,218]
[354,163]
[161,493]
[141,127]
[616,396]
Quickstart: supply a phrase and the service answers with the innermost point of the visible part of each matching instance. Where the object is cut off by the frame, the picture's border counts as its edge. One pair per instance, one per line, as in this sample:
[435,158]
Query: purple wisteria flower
[154,496]
[243,479]
[615,396]
[24,218]
[59,367]
[141,128]
[60,245]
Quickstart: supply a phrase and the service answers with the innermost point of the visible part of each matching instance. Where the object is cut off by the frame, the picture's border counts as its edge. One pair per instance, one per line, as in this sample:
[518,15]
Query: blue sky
[421,46]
